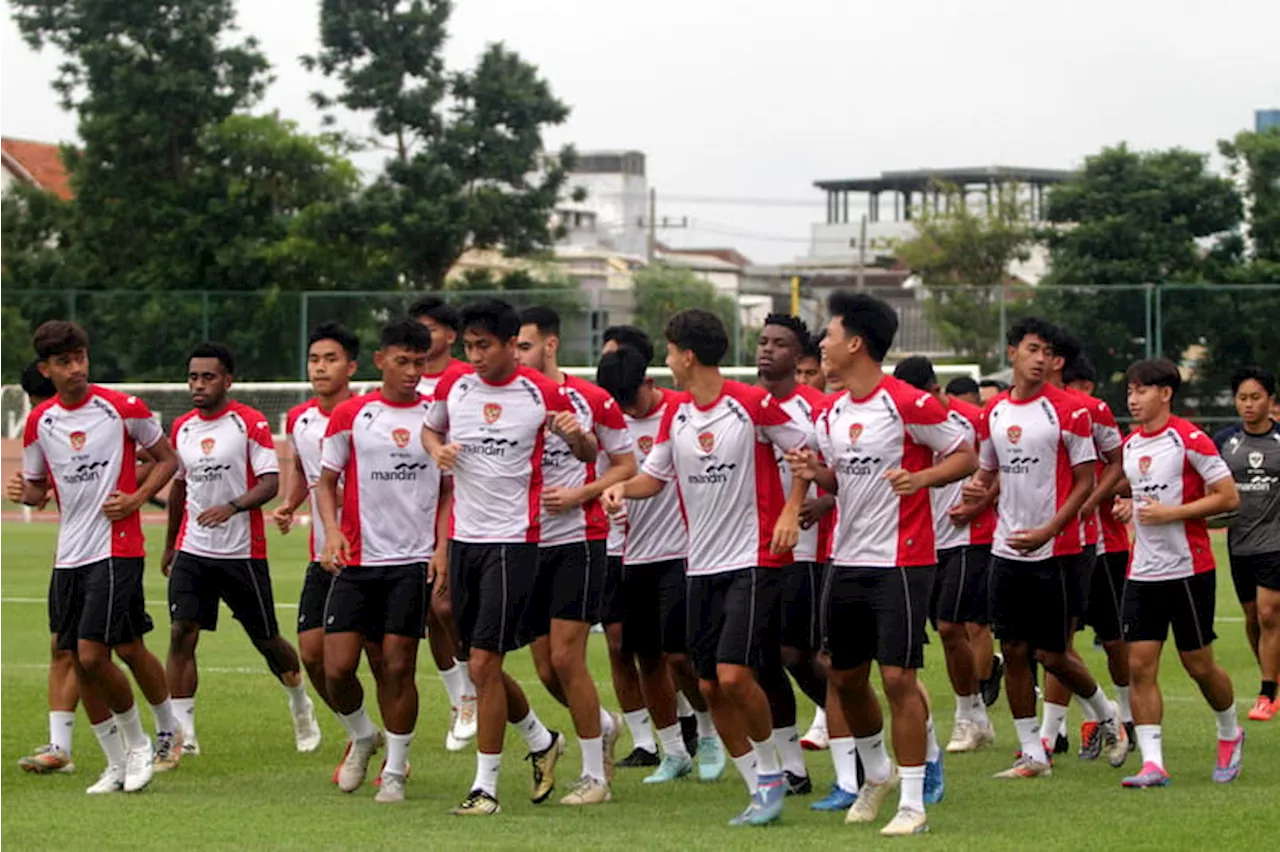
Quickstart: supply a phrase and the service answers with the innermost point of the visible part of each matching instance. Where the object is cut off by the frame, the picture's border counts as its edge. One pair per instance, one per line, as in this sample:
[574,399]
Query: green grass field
[250,789]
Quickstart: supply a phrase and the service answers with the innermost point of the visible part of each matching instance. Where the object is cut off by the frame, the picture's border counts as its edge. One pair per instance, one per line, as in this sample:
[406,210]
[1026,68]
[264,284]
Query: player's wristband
[235,505]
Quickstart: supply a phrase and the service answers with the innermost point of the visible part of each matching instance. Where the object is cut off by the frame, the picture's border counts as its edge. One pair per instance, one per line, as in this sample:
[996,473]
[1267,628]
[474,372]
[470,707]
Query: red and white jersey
[87,452]
[391,487]
[1034,444]
[597,413]
[895,426]
[802,407]
[306,426]
[220,458]
[1106,439]
[1172,466]
[721,458]
[827,523]
[427,384]
[497,478]
[616,543]
[656,531]
[982,528]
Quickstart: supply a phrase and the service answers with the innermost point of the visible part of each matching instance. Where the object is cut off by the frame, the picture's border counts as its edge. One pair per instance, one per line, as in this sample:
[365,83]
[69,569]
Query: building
[1265,119]
[37,164]
[615,212]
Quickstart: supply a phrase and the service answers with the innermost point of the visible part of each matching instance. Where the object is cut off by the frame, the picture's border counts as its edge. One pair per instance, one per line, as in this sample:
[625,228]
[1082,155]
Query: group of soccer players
[732,539]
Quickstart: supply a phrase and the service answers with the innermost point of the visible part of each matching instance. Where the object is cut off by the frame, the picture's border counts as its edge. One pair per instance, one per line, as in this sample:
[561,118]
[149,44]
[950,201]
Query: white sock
[683,707]
[1149,743]
[931,750]
[298,700]
[844,755]
[1102,706]
[978,711]
[911,794]
[1122,701]
[1090,715]
[130,722]
[166,720]
[536,736]
[487,766]
[452,678]
[876,767]
[767,760]
[1028,739]
[787,742]
[641,734]
[358,724]
[706,728]
[397,752]
[673,741]
[108,734]
[186,710]
[593,757]
[1054,715]
[61,726]
[468,688]
[746,766]
[819,718]
[962,707]
[1227,727]
[606,721]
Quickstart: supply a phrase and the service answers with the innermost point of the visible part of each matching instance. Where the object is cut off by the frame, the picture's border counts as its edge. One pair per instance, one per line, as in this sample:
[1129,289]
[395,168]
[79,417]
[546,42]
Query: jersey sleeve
[140,423]
[335,449]
[1202,455]
[262,447]
[610,427]
[822,434]
[1106,432]
[987,458]
[33,461]
[780,429]
[1077,435]
[437,416]
[660,463]
[180,472]
[927,423]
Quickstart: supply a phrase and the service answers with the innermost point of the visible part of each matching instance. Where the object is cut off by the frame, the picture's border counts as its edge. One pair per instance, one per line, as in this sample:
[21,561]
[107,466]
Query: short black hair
[433,307]
[58,337]
[35,383]
[621,373]
[1266,378]
[339,334]
[795,324]
[630,335]
[813,346]
[867,317]
[209,349]
[546,319]
[700,332]
[993,383]
[1079,369]
[1157,372]
[961,385]
[406,333]
[1027,326]
[490,316]
[916,371]
[1066,345]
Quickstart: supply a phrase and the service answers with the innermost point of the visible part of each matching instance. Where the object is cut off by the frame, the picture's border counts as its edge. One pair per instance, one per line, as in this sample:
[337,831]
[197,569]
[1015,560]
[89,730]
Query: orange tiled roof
[39,163]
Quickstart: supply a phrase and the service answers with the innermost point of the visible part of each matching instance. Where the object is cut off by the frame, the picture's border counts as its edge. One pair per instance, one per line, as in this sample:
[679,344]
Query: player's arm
[438,569]
[120,505]
[974,499]
[295,493]
[958,464]
[807,465]
[176,509]
[1081,486]
[1106,488]
[642,486]
[29,492]
[582,444]
[336,549]
[1221,496]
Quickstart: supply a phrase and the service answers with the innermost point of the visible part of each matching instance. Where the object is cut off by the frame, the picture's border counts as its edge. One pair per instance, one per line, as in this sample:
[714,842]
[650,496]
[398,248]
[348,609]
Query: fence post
[204,314]
[1004,321]
[1159,323]
[737,330]
[302,335]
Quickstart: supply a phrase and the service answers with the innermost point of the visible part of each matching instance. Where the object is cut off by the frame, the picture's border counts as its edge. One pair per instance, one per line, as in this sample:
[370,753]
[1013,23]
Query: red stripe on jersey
[126,535]
[1197,531]
[1067,542]
[915,513]
[770,503]
[534,534]
[351,504]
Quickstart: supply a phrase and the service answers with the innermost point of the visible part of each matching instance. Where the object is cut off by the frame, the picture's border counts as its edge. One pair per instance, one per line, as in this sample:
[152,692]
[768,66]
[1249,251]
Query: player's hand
[438,572]
[1122,511]
[14,488]
[336,552]
[814,509]
[283,516]
[1026,541]
[904,482]
[557,500]
[166,561]
[786,531]
[215,515]
[120,505]
[566,425]
[612,498]
[803,462]
[447,456]
[1151,512]
[973,491]
[963,513]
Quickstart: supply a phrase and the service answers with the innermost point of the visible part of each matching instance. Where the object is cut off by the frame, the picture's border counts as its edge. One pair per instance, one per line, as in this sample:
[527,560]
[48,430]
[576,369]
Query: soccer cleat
[377,782]
[1090,740]
[139,767]
[990,688]
[671,768]
[711,759]
[338,769]
[797,785]
[544,764]
[110,781]
[465,728]
[306,730]
[1150,775]
[741,819]
[689,731]
[970,736]
[610,743]
[46,760]
[190,747]
[1131,732]
[390,788]
[1061,745]
[1230,753]
[477,803]
[168,750]
[1024,767]
[935,782]
[639,757]
[1115,741]
[817,738]
[839,799]
[355,766]
[1264,709]
[871,797]
[906,822]
[770,794]
[587,791]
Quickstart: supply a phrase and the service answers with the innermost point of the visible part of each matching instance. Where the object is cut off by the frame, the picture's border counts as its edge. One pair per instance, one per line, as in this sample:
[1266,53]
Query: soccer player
[795,624]
[442,633]
[215,546]
[487,427]
[809,365]
[714,444]
[81,442]
[1177,479]
[1039,440]
[989,389]
[381,552]
[879,441]
[572,557]
[964,389]
[962,538]
[1252,452]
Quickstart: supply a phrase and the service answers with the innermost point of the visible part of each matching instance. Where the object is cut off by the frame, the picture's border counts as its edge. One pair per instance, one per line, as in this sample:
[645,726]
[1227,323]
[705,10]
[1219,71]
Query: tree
[962,257]
[463,145]
[661,291]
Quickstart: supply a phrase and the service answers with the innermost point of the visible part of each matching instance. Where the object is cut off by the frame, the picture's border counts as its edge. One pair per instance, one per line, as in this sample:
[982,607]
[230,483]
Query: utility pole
[862,254]
[652,224]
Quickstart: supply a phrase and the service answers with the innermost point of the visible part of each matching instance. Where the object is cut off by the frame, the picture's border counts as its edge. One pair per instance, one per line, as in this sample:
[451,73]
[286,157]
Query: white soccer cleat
[168,749]
[110,781]
[190,746]
[906,822]
[306,730]
[391,789]
[871,797]
[139,767]
[464,728]
[970,736]
[816,738]
[356,765]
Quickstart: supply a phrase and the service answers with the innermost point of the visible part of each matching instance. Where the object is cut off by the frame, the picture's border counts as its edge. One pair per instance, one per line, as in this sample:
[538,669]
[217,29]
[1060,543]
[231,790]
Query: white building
[614,213]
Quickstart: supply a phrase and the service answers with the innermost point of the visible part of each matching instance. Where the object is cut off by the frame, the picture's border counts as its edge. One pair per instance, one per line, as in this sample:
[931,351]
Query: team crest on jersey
[855,432]
[1144,465]
[646,443]
[707,441]
[207,445]
[491,411]
[401,437]
[1255,458]
[1015,434]
[77,441]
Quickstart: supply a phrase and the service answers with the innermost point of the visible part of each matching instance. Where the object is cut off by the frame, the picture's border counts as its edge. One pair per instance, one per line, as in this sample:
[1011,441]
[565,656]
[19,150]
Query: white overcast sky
[756,99]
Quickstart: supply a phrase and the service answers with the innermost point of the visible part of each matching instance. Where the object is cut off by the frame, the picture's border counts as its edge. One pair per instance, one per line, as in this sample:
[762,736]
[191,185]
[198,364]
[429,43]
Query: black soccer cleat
[689,731]
[990,687]
[798,785]
[639,757]
[1061,745]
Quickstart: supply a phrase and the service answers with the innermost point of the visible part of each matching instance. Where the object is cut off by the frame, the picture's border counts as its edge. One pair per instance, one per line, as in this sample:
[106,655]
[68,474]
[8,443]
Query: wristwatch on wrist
[235,505]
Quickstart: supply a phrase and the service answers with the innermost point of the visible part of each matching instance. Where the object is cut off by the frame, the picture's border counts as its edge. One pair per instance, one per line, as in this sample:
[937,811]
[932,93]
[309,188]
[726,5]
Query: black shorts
[1106,596]
[569,585]
[727,616]
[801,588]
[315,591]
[1187,604]
[377,600]
[197,583]
[491,586]
[1250,572]
[1080,569]
[612,605]
[655,610]
[1031,602]
[99,602]
[960,585]
[876,614]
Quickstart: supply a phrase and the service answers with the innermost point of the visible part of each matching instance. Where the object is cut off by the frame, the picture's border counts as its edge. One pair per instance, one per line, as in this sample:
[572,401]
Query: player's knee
[613,638]
[93,657]
[397,668]
[485,668]
[953,634]
[794,658]
[735,679]
[899,684]
[1269,614]
[182,637]
[1199,665]
[567,658]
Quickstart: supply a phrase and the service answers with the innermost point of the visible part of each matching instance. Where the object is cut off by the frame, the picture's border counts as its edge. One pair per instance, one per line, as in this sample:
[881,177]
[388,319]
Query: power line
[723,200]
